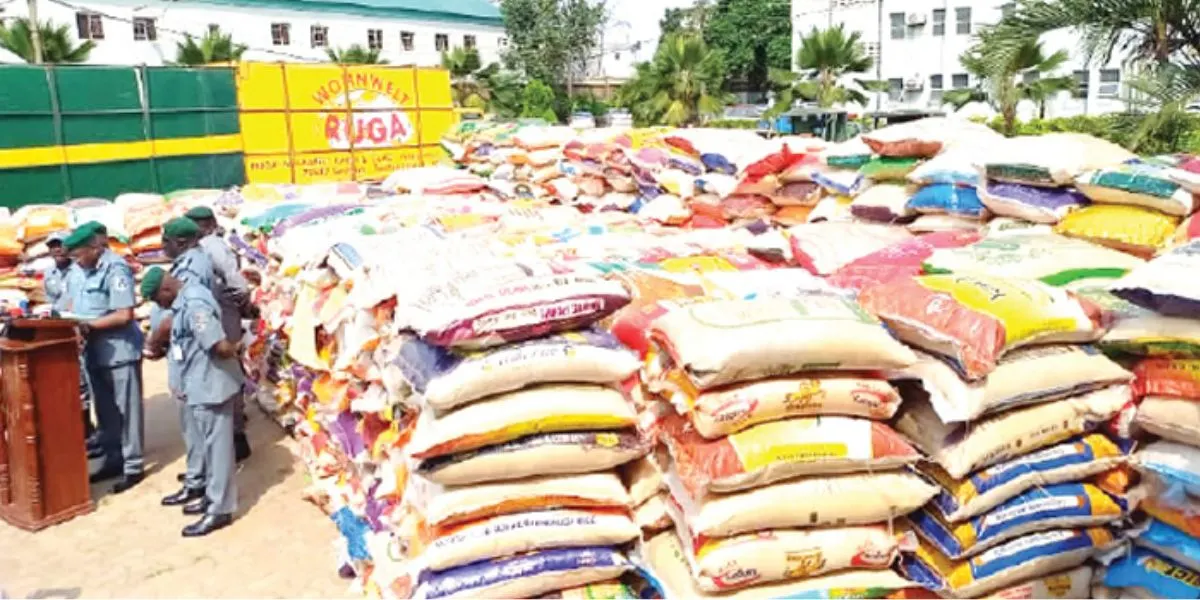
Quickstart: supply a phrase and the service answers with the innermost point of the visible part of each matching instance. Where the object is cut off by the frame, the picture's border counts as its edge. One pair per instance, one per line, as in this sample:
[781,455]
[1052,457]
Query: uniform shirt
[58,283]
[195,331]
[190,267]
[227,276]
[101,291]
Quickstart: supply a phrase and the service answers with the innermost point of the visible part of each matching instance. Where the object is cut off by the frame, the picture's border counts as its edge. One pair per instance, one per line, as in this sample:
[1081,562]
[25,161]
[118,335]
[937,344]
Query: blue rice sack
[1051,507]
[1171,543]
[1014,561]
[1152,575]
[448,378]
[948,198]
[524,575]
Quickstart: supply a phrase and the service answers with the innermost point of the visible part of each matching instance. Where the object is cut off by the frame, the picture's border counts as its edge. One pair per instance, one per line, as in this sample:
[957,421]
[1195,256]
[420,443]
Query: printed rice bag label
[1076,583]
[596,445]
[1048,507]
[483,579]
[781,449]
[604,590]
[1168,377]
[1157,575]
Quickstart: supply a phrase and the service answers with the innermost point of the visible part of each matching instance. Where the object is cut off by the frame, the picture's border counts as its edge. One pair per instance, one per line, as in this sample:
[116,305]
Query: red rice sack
[823,248]
[1167,377]
[973,319]
[781,450]
[898,261]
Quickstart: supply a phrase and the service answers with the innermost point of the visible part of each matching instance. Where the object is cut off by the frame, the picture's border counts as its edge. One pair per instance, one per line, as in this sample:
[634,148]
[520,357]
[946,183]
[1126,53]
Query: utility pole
[35,32]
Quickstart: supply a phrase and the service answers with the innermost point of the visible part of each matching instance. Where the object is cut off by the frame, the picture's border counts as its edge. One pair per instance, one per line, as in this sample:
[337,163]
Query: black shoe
[198,506]
[183,496]
[94,452]
[207,525]
[126,483]
[182,477]
[105,473]
[241,447]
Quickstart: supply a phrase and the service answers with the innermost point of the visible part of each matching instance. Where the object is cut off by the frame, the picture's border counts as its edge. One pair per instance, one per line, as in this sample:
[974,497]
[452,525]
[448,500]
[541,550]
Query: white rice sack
[823,248]
[832,209]
[447,379]
[1175,419]
[1074,460]
[509,416]
[762,283]
[884,202]
[722,342]
[652,516]
[1050,160]
[525,576]
[534,138]
[1140,184]
[936,223]
[955,166]
[928,137]
[433,181]
[455,505]
[1075,584]
[1018,560]
[1158,285]
[668,562]
[1006,226]
[832,500]
[1176,466]
[1023,376]
[751,559]
[522,532]
[839,182]
[961,449]
[539,454]
[644,479]
[1052,259]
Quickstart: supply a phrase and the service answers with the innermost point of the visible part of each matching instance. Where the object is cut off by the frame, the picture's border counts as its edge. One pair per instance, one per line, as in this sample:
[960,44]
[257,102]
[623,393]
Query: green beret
[199,213]
[151,281]
[80,237]
[96,227]
[181,227]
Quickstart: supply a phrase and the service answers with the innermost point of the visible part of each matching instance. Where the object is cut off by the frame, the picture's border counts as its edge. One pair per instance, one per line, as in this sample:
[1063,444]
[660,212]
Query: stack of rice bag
[523,422]
[1007,406]
[1160,336]
[781,467]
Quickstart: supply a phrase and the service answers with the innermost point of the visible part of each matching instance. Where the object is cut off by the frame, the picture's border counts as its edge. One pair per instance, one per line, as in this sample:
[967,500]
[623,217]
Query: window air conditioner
[915,18]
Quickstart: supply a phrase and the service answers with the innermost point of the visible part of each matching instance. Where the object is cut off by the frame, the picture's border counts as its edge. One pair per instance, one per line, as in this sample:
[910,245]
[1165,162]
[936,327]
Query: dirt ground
[279,547]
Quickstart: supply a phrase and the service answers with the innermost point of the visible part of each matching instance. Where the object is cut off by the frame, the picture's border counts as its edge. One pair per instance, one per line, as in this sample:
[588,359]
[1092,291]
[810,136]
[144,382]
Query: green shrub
[1173,132]
[732,124]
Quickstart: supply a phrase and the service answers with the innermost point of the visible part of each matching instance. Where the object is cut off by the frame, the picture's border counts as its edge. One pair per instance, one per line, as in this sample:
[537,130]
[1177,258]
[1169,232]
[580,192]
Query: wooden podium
[43,461]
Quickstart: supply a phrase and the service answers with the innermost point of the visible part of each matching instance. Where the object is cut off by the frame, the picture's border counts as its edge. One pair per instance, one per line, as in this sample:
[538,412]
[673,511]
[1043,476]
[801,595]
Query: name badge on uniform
[176,353]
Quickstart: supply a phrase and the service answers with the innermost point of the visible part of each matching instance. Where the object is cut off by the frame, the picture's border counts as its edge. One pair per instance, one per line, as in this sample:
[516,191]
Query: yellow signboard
[313,123]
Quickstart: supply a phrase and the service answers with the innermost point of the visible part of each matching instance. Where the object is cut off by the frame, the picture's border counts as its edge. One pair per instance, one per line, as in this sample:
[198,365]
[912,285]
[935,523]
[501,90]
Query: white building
[917,45]
[133,32]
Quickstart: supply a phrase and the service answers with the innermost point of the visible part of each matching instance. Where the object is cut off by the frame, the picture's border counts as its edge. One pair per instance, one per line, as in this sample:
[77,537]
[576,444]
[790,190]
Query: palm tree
[680,86]
[57,43]
[214,47]
[1026,75]
[467,77]
[355,55]
[826,58]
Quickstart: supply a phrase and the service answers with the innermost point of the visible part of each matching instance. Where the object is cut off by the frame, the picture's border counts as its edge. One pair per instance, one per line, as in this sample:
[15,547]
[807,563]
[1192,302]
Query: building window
[895,89]
[1007,10]
[959,81]
[375,39]
[939,21]
[441,42]
[872,50]
[89,25]
[962,20]
[318,36]
[469,42]
[406,41]
[897,20]
[502,42]
[1083,81]
[1110,83]
[281,34]
[935,89]
[143,29]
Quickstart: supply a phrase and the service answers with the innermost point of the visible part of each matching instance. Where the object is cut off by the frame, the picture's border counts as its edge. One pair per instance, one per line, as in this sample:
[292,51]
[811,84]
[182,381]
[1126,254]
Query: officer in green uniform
[104,302]
[212,376]
[232,293]
[59,281]
[189,264]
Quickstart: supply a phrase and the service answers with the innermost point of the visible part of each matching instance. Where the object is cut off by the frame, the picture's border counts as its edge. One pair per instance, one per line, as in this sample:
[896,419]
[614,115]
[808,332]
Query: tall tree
[58,45]
[552,40]
[356,54]
[829,60]
[688,19]
[680,86]
[753,35]
[1026,75]
[467,76]
[214,47]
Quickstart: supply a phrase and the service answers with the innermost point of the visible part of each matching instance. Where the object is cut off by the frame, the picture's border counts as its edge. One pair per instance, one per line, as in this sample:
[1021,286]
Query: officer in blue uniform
[190,265]
[233,294]
[104,302]
[212,376]
[59,281]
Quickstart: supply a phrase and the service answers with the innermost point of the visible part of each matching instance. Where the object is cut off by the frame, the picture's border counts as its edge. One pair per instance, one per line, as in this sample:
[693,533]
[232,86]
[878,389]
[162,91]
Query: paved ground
[279,547]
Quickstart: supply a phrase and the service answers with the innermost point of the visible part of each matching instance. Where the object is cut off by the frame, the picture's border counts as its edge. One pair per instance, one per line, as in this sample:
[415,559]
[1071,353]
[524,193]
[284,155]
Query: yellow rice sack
[961,449]
[1133,229]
